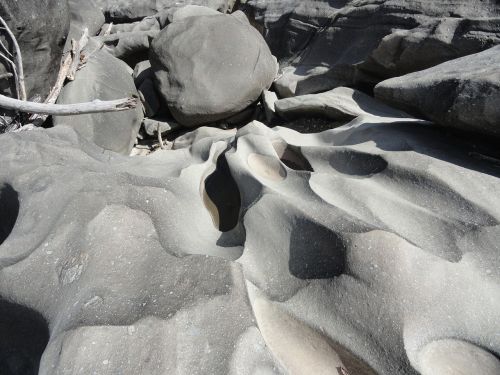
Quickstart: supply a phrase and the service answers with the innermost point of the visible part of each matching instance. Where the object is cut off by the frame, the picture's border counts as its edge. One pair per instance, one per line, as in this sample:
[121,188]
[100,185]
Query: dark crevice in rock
[9,210]
[221,196]
[292,157]
[358,164]
[24,334]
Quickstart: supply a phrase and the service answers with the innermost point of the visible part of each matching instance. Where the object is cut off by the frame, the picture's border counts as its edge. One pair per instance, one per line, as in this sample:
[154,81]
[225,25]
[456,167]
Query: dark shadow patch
[24,335]
[465,149]
[221,196]
[292,157]
[357,163]
[308,125]
[315,252]
[9,210]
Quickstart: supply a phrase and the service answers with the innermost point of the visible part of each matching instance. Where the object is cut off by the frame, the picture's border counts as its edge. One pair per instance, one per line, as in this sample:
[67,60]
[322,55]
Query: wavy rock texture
[364,249]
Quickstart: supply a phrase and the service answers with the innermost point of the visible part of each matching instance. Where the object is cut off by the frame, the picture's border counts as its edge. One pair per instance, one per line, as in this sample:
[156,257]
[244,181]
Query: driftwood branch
[38,118]
[5,49]
[14,73]
[160,139]
[18,60]
[69,65]
[107,31]
[96,106]
[78,46]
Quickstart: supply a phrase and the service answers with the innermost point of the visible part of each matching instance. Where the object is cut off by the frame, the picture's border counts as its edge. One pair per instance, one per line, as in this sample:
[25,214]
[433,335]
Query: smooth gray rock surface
[462,93]
[209,68]
[84,14]
[41,28]
[104,77]
[368,247]
[361,248]
[269,99]
[338,104]
[326,44]
[192,11]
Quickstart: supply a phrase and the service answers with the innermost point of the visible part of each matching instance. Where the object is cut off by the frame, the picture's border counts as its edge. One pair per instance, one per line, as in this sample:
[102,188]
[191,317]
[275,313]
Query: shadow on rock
[315,252]
[9,210]
[24,334]
[222,197]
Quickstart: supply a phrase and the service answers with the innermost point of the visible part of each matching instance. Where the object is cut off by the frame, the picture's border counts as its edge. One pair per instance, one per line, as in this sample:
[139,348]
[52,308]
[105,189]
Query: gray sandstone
[131,258]
[104,77]
[41,42]
[269,99]
[368,243]
[84,14]
[323,45]
[341,103]
[209,68]
[462,94]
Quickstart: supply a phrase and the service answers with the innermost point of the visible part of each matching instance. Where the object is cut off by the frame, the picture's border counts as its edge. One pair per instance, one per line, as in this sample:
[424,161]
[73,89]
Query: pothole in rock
[292,156]
[9,210]
[221,196]
[24,335]
[357,163]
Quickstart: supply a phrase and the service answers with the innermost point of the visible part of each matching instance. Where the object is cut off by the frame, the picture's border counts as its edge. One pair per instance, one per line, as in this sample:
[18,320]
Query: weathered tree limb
[160,139]
[78,46]
[18,60]
[5,49]
[108,30]
[38,118]
[96,106]
[61,77]
[14,73]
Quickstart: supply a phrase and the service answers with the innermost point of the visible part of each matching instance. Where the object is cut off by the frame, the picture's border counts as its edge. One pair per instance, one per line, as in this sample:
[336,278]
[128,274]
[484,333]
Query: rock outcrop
[340,235]
[324,45]
[463,93]
[370,243]
[341,103]
[209,68]
[84,14]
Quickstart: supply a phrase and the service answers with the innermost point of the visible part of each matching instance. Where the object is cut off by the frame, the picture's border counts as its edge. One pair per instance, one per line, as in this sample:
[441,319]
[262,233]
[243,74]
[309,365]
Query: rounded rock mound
[211,67]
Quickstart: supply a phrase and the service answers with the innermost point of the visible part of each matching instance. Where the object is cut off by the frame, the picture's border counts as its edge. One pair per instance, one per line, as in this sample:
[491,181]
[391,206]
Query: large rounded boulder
[211,67]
